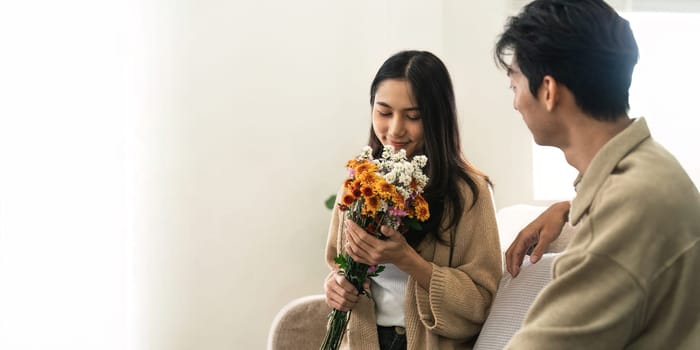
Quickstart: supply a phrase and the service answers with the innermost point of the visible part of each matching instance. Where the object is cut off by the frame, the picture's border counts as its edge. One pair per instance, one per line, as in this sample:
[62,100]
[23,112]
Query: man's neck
[588,136]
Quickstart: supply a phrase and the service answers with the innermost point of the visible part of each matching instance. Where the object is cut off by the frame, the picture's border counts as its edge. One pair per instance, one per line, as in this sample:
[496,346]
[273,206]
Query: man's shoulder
[650,178]
[650,161]
[646,212]
[648,191]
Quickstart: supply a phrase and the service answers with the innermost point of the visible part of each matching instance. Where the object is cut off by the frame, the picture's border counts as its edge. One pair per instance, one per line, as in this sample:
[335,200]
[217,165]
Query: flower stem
[337,323]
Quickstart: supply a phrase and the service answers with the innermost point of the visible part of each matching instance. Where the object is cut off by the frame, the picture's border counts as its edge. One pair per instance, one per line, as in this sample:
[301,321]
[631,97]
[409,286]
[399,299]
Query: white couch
[301,324]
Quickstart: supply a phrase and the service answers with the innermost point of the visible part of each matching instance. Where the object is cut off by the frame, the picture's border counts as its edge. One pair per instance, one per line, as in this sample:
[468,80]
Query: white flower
[398,170]
[405,179]
[390,177]
[399,156]
[388,151]
[421,180]
[366,153]
[420,161]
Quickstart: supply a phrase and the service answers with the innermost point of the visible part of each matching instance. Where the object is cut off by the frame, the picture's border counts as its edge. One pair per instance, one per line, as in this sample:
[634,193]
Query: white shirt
[389,293]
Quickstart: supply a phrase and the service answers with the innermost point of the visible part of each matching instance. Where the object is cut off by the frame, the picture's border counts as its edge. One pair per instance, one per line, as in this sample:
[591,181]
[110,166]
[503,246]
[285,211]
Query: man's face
[540,122]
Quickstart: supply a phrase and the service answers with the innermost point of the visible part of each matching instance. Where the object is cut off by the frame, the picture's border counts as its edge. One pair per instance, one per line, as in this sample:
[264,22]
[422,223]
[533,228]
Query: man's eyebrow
[384,104]
[512,70]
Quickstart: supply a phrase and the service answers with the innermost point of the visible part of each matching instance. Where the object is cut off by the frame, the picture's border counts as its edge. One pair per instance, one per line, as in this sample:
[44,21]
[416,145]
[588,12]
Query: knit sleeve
[457,302]
[334,235]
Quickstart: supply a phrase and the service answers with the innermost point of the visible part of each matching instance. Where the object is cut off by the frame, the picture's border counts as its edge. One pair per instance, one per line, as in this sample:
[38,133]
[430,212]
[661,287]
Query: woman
[439,282]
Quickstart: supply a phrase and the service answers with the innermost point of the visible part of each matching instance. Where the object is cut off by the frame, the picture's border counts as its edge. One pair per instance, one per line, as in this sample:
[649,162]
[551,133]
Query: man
[629,277]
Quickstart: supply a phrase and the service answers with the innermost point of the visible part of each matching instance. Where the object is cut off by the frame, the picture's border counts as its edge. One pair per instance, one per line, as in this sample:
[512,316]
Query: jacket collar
[602,164]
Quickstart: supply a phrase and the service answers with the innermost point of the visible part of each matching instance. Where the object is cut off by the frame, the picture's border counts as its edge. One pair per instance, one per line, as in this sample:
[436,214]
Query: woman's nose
[397,128]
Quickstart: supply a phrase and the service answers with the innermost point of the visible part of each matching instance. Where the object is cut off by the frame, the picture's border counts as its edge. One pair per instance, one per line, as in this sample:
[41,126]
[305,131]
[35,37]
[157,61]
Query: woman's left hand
[366,248]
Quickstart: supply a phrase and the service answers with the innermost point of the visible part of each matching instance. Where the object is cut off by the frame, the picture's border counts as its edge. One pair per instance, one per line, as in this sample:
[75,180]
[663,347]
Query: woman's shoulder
[480,179]
[479,182]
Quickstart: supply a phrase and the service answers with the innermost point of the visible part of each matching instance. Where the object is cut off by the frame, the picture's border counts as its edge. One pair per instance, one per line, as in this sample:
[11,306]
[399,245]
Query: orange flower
[421,208]
[348,184]
[371,206]
[399,201]
[347,199]
[356,192]
[367,191]
[422,213]
[352,163]
[385,189]
[365,167]
[368,178]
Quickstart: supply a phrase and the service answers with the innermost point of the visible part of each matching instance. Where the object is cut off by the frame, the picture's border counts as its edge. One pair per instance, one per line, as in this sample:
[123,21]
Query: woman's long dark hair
[432,89]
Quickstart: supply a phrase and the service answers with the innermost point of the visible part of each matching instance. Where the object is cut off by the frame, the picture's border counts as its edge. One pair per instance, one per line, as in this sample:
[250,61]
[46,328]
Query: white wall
[494,136]
[63,182]
[252,109]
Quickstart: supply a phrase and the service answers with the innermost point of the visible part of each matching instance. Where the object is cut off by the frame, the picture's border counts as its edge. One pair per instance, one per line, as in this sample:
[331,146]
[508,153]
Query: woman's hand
[365,248]
[368,249]
[340,293]
[540,232]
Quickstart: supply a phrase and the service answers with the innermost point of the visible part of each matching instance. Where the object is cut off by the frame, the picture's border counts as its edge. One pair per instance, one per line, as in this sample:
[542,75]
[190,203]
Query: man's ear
[550,91]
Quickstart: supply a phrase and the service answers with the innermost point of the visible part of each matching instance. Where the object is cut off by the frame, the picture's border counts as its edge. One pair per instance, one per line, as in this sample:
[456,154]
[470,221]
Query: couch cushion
[513,299]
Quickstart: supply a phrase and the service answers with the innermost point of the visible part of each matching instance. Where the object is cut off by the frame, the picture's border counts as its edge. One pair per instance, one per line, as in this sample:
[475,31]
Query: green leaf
[413,224]
[330,202]
[340,260]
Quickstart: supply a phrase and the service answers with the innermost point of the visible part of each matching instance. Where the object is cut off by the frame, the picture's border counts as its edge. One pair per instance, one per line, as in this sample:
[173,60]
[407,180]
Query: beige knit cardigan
[450,314]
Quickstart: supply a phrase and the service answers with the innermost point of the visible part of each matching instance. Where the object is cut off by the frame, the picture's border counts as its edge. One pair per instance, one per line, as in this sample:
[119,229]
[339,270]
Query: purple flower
[397,212]
[372,269]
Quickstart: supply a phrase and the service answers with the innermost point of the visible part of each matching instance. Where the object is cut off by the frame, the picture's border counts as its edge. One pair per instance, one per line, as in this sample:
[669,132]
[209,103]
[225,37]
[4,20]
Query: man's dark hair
[583,44]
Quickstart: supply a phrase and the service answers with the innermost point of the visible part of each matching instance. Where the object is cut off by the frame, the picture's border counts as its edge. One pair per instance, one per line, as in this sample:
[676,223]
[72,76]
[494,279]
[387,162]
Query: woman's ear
[550,91]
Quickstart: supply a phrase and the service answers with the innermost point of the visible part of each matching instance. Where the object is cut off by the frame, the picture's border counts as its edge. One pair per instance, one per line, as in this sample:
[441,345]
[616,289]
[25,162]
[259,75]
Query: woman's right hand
[340,293]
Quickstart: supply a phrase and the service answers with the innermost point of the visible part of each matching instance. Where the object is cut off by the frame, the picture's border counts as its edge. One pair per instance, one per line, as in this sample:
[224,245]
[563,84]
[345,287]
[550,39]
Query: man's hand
[539,233]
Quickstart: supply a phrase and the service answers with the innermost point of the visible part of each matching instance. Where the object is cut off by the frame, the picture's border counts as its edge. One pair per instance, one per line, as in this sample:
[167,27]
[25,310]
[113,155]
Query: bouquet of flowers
[386,191]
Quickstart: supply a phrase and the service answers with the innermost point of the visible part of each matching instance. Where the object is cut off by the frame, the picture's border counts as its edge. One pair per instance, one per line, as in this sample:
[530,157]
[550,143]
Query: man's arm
[540,232]
[591,304]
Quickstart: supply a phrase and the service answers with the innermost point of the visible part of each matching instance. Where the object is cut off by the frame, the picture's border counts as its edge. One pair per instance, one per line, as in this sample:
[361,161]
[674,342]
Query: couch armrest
[300,325]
